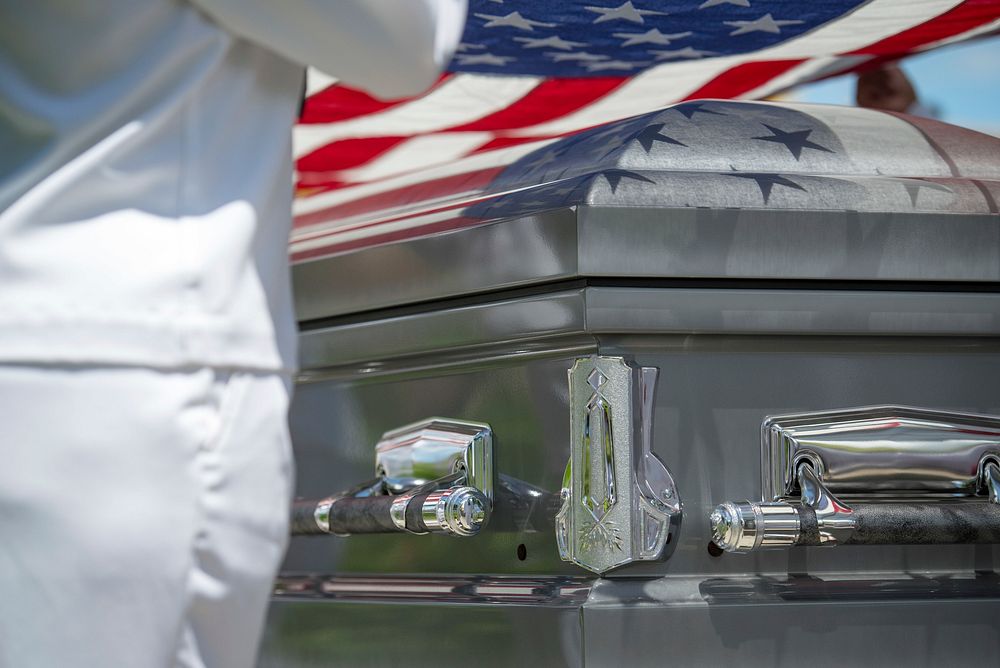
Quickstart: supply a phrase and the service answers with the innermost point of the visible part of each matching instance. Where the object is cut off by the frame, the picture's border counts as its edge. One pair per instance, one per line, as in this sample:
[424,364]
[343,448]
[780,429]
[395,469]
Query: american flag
[530,73]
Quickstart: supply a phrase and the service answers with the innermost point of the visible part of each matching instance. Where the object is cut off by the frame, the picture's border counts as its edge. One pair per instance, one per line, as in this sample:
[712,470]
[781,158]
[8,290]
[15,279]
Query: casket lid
[701,190]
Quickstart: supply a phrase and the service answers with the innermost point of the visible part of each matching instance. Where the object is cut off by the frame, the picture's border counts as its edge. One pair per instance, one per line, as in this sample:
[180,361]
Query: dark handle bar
[356,516]
[911,524]
[459,511]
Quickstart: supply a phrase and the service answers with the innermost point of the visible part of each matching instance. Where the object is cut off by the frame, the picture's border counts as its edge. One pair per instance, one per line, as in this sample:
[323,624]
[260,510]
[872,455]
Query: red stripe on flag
[551,99]
[961,18]
[416,192]
[315,168]
[340,103]
[744,78]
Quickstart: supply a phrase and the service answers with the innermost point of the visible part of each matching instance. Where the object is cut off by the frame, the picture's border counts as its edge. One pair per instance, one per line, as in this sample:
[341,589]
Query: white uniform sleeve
[392,48]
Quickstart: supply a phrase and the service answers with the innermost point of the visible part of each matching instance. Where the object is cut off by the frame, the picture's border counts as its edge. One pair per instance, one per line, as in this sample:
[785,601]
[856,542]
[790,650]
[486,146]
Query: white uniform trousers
[143,514]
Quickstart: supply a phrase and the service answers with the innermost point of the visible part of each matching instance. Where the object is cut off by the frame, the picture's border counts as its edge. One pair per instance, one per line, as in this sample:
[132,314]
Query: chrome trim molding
[543,323]
[546,591]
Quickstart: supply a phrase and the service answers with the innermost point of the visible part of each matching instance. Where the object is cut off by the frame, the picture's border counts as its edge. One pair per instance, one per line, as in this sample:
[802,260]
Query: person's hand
[886,88]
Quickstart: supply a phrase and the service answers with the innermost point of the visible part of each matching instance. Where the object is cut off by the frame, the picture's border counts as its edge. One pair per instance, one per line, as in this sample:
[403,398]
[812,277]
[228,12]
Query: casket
[714,385]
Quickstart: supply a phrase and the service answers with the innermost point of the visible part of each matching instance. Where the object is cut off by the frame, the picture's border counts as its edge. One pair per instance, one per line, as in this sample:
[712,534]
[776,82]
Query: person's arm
[391,48]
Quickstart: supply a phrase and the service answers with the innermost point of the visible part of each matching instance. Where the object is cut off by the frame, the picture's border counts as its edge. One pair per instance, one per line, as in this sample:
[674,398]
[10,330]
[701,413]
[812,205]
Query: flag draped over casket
[532,72]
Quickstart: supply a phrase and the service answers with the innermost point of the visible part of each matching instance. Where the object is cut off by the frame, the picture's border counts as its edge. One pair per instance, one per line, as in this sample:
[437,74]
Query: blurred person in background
[887,88]
[147,337]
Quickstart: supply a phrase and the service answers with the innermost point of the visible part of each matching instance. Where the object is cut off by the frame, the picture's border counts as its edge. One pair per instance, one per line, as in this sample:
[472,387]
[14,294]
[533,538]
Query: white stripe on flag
[418,153]
[460,99]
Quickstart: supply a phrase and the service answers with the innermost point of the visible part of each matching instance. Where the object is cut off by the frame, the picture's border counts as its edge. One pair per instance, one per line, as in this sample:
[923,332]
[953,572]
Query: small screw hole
[522,552]
[714,550]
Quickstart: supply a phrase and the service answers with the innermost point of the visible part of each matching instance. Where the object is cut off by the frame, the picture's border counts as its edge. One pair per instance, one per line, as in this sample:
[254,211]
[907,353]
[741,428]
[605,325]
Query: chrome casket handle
[902,476]
[434,476]
[747,526]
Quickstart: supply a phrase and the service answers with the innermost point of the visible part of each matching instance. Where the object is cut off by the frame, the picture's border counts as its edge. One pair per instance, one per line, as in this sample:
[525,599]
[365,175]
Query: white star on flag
[713,3]
[764,24]
[653,36]
[483,59]
[513,20]
[625,12]
[581,56]
[555,42]
[686,52]
[612,65]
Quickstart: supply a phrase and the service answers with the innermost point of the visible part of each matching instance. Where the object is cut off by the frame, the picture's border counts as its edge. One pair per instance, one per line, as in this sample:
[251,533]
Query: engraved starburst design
[602,532]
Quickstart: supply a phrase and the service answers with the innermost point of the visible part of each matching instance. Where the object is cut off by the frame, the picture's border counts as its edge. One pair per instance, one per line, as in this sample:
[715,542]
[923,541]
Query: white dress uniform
[146,326]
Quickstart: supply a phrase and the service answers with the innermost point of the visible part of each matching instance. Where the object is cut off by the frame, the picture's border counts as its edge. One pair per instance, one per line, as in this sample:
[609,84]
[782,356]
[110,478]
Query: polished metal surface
[322,513]
[991,479]
[446,462]
[419,632]
[541,247]
[714,391]
[459,511]
[619,500]
[537,323]
[496,590]
[397,511]
[885,619]
[875,618]
[419,453]
[720,389]
[516,321]
[746,526]
[649,242]
[833,517]
[798,309]
[878,452]
[743,526]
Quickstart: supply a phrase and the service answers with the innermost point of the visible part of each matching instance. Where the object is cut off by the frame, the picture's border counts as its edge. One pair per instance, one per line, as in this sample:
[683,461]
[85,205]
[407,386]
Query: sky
[961,82]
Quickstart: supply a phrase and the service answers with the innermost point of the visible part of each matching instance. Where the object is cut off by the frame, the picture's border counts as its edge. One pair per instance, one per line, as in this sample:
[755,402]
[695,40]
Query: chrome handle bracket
[619,501]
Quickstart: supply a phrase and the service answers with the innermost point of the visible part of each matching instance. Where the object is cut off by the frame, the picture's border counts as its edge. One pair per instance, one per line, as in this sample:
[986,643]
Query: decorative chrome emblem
[619,500]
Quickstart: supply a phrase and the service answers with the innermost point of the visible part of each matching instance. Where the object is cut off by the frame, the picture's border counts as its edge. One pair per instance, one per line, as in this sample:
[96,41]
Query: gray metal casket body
[768,259]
